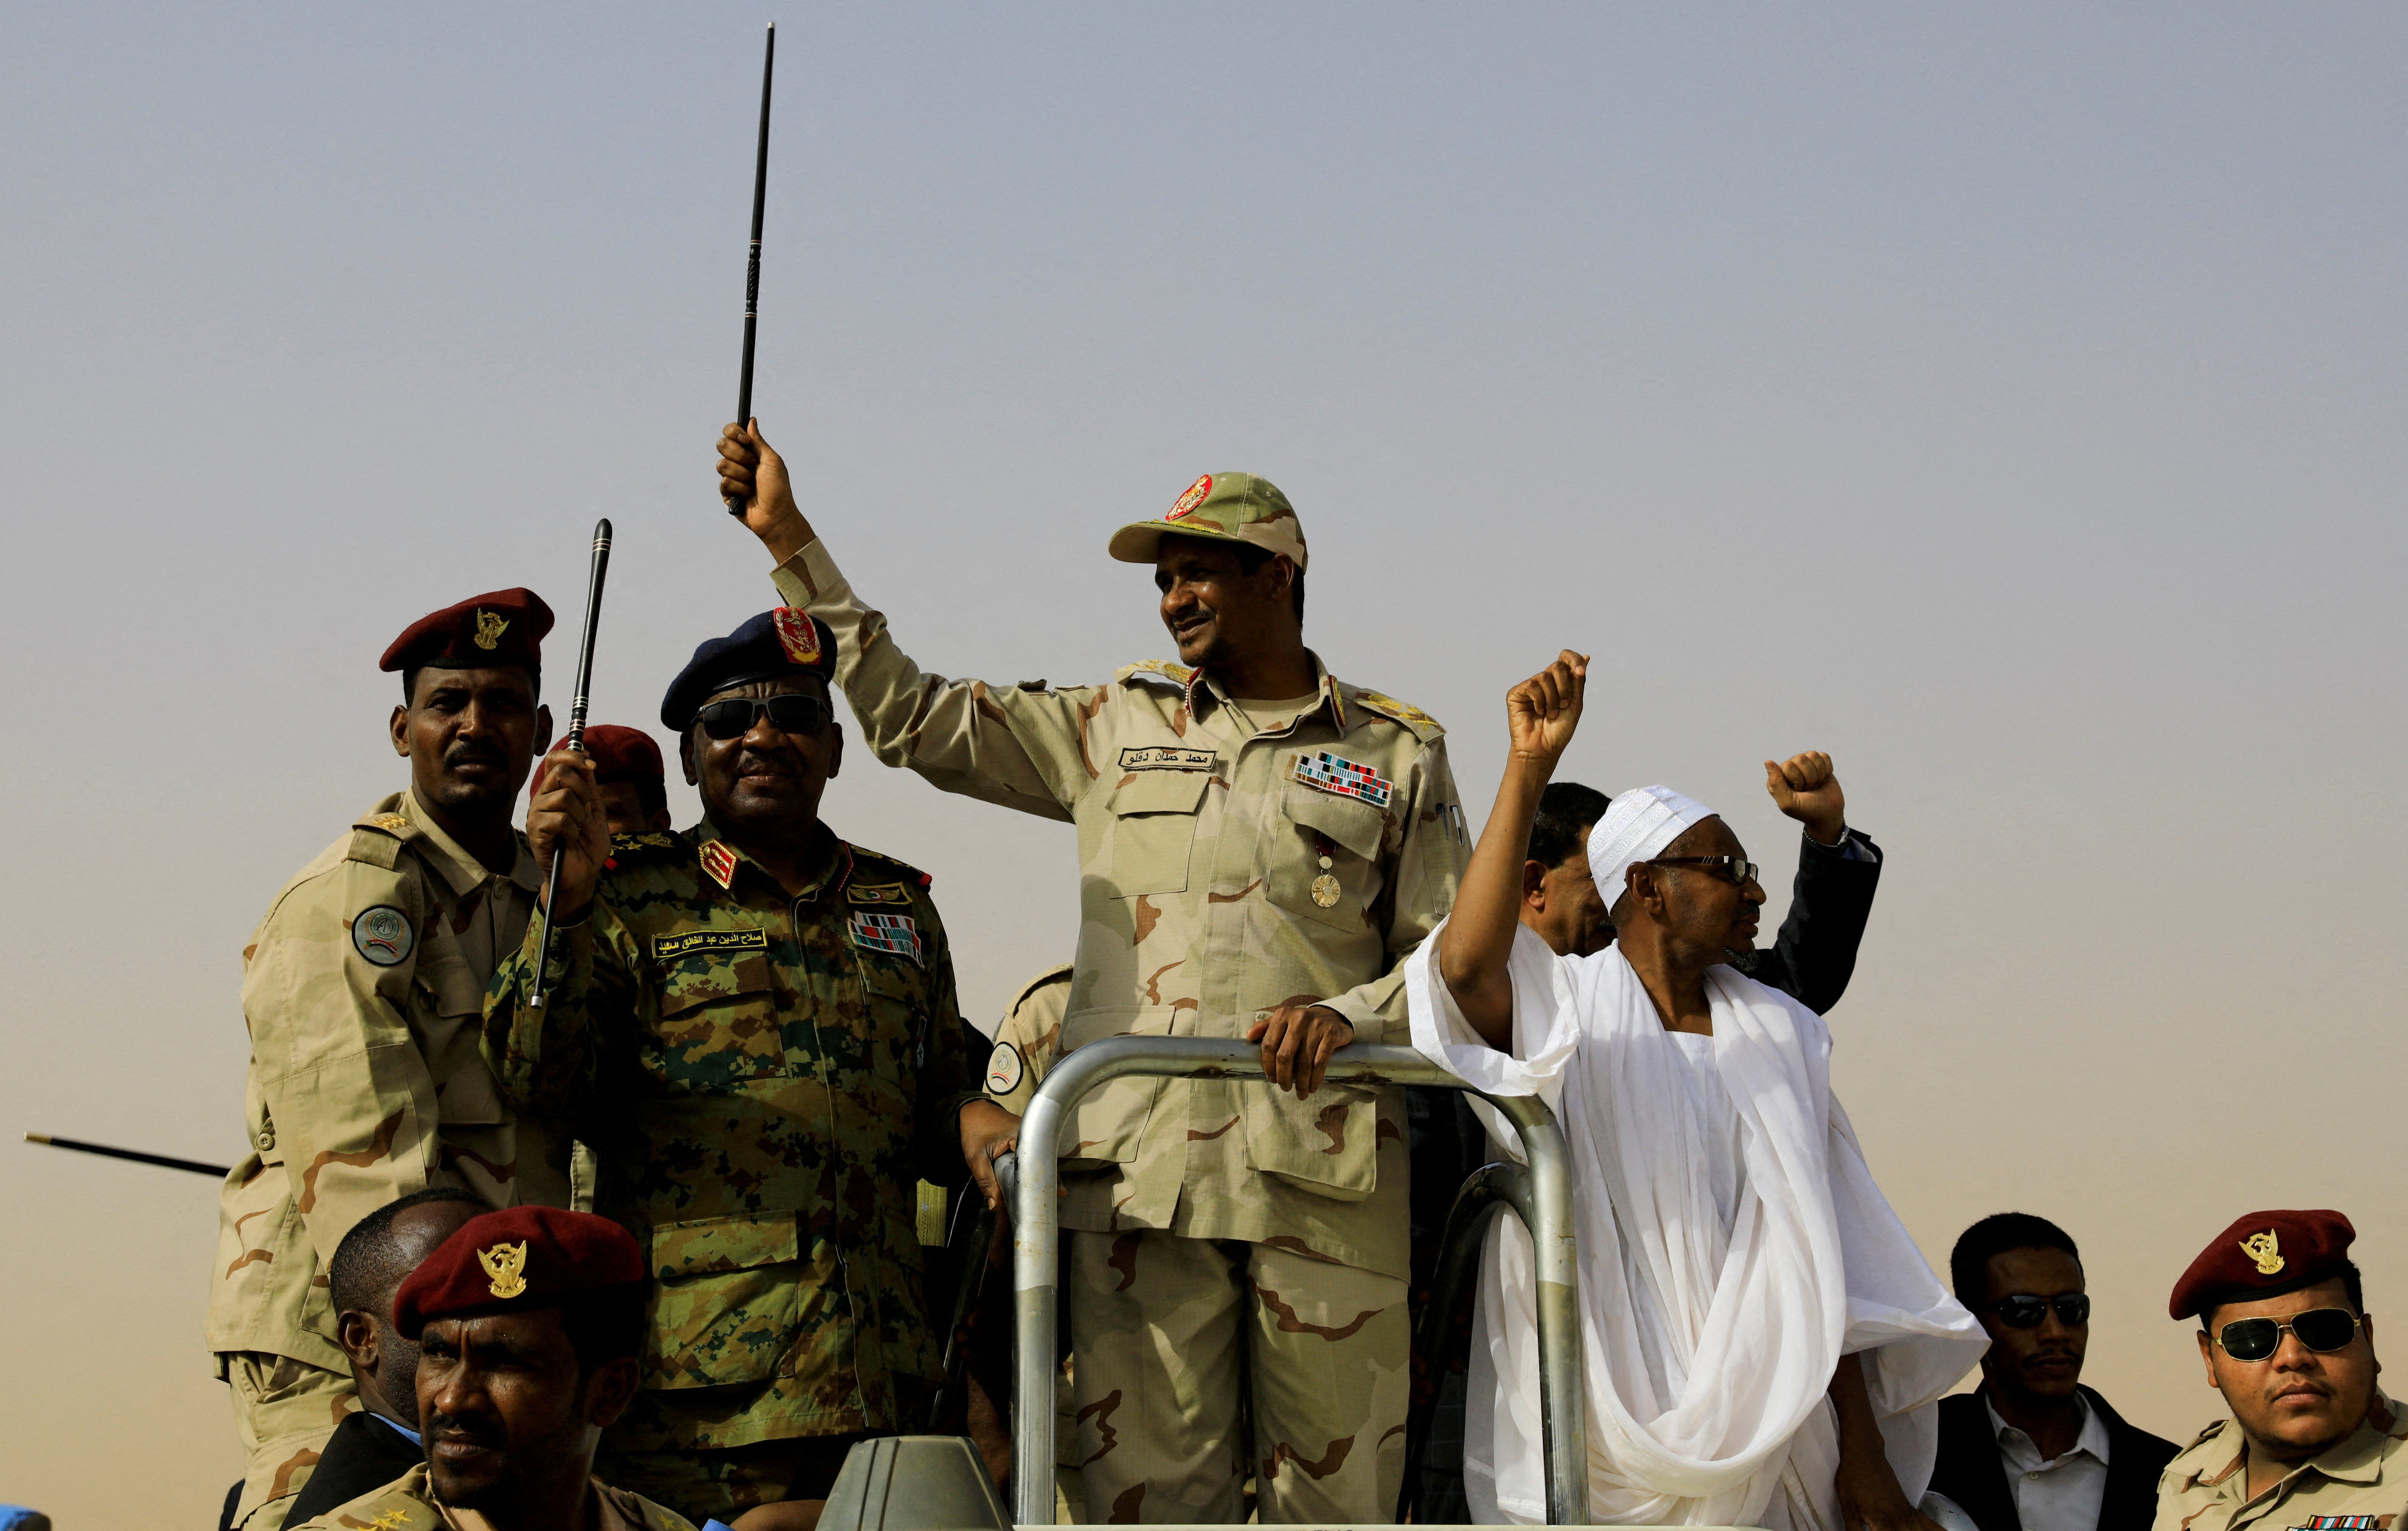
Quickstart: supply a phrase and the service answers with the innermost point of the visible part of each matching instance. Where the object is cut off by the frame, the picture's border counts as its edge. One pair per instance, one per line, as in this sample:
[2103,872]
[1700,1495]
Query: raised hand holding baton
[752,261]
[576,741]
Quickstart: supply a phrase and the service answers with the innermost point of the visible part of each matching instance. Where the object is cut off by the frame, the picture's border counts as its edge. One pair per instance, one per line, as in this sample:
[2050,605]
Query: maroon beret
[499,627]
[519,1258]
[2264,1254]
[619,754]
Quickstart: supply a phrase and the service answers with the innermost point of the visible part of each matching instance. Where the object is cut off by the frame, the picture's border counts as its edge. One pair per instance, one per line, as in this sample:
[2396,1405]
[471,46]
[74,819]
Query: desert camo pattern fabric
[762,1087]
[363,990]
[408,1504]
[2357,1484]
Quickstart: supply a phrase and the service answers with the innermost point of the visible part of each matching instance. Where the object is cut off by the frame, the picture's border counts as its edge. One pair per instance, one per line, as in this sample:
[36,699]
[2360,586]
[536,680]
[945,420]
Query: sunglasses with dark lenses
[2318,1328]
[1736,870]
[2025,1313]
[734,718]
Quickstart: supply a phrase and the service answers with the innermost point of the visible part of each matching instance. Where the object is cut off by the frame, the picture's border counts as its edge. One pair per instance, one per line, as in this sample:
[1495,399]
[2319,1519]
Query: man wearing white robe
[1761,1340]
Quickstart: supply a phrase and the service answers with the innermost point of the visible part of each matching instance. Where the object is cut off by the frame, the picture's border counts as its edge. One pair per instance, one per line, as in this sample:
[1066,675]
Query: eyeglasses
[1736,870]
[734,718]
[2318,1329]
[2024,1312]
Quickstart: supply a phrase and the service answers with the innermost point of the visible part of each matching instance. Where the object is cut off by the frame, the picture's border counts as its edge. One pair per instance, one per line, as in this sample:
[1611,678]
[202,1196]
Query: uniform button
[266,1141]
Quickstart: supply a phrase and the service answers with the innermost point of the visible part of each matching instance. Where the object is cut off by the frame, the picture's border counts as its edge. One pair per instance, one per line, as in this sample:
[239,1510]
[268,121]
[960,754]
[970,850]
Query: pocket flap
[1160,791]
[1357,826]
[714,1244]
[716,976]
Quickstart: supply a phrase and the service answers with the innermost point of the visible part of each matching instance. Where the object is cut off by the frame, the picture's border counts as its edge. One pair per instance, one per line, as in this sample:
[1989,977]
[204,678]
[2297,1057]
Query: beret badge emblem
[2264,1249]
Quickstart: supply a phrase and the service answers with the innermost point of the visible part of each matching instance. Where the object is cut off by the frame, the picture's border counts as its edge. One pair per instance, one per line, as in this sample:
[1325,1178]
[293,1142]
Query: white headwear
[1637,827]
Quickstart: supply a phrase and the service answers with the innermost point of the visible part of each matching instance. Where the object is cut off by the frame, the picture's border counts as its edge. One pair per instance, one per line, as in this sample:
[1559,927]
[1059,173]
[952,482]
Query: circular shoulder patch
[1004,1070]
[384,935]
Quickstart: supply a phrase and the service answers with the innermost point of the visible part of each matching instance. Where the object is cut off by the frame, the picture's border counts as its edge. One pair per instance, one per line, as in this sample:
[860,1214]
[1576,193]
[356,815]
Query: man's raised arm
[1018,747]
[1540,714]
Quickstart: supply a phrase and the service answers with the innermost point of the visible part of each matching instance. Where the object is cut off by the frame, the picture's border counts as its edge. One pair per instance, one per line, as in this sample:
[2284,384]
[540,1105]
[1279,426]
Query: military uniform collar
[464,872]
[723,861]
[2357,1459]
[1205,692]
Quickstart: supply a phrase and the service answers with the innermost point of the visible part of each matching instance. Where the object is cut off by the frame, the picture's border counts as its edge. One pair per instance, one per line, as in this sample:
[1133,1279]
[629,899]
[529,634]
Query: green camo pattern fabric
[763,1081]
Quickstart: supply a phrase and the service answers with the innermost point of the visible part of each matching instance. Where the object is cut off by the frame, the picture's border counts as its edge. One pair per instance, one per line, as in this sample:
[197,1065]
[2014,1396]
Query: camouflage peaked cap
[1227,507]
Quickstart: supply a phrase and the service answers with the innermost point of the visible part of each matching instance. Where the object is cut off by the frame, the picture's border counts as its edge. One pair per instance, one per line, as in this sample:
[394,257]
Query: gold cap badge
[2263,1249]
[489,630]
[506,1264]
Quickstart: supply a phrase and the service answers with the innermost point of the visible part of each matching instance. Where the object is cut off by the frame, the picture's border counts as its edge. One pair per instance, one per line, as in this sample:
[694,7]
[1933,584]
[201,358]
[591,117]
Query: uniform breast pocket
[448,1018]
[730,1295]
[719,1021]
[1154,830]
[1351,831]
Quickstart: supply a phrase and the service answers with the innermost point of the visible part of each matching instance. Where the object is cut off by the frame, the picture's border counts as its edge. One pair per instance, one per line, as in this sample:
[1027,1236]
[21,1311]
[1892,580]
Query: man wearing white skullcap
[1762,1341]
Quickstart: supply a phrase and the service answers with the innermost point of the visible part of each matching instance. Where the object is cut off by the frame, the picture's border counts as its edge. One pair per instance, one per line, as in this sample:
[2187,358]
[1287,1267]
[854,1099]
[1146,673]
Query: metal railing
[1035,1189]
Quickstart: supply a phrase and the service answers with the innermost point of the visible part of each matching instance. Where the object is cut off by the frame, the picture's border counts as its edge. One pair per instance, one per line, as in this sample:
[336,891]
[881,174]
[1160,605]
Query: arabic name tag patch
[898,934]
[1166,757]
[383,937]
[1004,1069]
[685,944]
[1335,773]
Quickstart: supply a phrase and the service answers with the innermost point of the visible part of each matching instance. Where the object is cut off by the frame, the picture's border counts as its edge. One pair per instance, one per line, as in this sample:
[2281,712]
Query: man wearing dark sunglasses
[2284,1336]
[755,1022]
[2033,1450]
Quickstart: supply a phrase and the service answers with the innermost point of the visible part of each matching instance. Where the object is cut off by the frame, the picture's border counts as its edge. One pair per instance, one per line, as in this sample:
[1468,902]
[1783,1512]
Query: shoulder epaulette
[378,839]
[1060,974]
[393,1512]
[2207,1434]
[872,867]
[1425,727]
[651,842]
[1159,671]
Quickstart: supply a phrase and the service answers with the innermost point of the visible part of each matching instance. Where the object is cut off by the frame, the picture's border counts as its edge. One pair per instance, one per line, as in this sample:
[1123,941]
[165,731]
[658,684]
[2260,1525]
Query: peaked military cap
[1224,507]
[517,1259]
[779,643]
[2264,1254]
[499,627]
[619,754]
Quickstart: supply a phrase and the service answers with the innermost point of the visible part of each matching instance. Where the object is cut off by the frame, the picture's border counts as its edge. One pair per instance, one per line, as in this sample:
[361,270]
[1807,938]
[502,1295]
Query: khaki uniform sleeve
[1024,747]
[547,1060]
[347,1093]
[1428,870]
[1032,1031]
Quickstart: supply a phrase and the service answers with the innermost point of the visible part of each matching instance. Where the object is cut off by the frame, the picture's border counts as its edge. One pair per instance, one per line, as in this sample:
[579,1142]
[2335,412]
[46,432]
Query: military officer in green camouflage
[1261,845]
[754,1025]
[363,990]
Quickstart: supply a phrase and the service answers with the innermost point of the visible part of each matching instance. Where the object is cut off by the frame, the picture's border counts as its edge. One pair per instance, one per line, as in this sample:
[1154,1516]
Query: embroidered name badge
[719,863]
[1166,757]
[877,892]
[685,944]
[1335,773]
[897,933]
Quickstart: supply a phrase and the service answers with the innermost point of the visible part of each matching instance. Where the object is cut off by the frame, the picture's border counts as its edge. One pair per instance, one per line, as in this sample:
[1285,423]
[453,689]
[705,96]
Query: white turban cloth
[1637,827]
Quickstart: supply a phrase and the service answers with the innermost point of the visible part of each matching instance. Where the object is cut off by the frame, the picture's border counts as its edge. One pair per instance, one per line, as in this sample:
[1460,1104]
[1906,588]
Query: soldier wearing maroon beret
[362,989]
[528,1323]
[2312,1444]
[627,771]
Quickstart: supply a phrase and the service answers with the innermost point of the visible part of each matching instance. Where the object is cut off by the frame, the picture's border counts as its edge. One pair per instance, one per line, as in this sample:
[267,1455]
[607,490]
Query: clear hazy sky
[2008,400]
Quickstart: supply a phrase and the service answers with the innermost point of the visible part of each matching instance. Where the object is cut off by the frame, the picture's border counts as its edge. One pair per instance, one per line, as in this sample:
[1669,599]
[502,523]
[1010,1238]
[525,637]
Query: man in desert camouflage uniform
[755,1024]
[1261,846]
[363,989]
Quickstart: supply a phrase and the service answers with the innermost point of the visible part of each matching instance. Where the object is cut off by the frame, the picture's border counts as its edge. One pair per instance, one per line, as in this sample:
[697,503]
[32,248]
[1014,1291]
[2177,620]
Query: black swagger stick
[576,742]
[136,1155]
[752,262]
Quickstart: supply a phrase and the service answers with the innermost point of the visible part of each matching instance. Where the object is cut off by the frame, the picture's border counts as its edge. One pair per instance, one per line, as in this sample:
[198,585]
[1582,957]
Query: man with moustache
[1260,845]
[382,1441]
[2033,1450]
[755,1024]
[528,1325]
[2313,1443]
[363,989]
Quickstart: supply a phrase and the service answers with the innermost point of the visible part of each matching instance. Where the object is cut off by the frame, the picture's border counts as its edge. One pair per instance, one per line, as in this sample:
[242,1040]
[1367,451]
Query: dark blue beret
[777,643]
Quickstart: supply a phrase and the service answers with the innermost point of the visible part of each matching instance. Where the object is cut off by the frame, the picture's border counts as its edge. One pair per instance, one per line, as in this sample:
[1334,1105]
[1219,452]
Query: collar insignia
[506,1264]
[719,864]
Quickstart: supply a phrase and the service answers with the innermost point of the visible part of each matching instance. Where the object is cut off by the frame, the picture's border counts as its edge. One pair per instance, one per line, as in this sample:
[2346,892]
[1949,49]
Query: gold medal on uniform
[1324,887]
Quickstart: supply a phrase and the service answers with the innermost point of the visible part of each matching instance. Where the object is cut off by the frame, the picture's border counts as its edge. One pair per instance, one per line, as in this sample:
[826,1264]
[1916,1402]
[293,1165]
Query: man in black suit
[2033,1450]
[380,1442]
[1810,960]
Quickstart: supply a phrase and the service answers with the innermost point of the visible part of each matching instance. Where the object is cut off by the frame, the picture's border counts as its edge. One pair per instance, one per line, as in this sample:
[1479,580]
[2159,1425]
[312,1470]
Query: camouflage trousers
[723,1485]
[283,1409]
[1169,1330]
